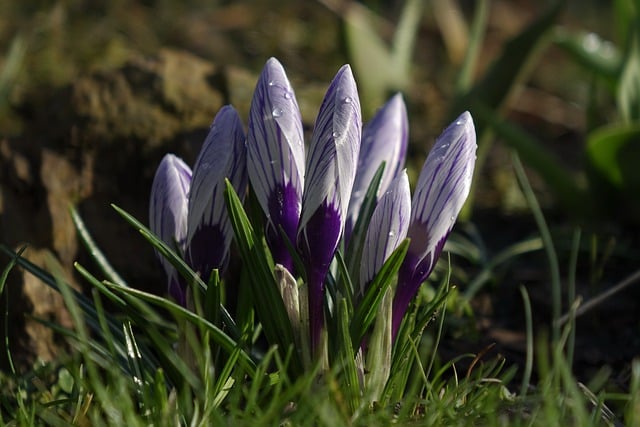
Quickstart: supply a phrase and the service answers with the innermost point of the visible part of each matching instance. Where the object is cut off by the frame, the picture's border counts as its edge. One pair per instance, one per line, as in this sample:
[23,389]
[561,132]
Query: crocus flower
[384,139]
[330,171]
[275,157]
[387,228]
[168,214]
[223,155]
[442,188]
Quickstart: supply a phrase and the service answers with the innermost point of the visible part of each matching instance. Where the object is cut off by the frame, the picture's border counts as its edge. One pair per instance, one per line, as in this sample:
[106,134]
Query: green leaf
[191,277]
[368,53]
[629,84]
[365,313]
[380,67]
[379,348]
[267,300]
[403,42]
[94,251]
[222,339]
[359,232]
[613,155]
[597,56]
[165,250]
[498,82]
[474,49]
[9,267]
[346,359]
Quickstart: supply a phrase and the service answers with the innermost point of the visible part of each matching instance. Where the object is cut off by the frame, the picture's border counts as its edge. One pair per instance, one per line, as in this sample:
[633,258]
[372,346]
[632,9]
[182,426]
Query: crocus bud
[168,214]
[275,157]
[223,155]
[387,228]
[442,188]
[384,139]
[330,171]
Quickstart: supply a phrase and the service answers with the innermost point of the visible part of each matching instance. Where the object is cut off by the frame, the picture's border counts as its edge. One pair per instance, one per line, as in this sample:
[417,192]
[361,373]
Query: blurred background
[93,94]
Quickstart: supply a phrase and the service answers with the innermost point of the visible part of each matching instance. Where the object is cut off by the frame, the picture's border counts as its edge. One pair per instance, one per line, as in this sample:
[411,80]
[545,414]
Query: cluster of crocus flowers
[187,209]
[312,196]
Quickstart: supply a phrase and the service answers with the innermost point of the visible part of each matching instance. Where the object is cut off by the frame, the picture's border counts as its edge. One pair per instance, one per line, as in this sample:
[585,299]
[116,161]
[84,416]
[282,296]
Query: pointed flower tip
[223,155]
[276,160]
[168,212]
[169,192]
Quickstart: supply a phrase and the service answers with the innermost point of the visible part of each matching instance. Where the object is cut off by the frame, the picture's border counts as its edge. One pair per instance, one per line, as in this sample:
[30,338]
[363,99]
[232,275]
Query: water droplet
[591,42]
[347,100]
[287,95]
[336,134]
[277,112]
[392,233]
[459,122]
[271,83]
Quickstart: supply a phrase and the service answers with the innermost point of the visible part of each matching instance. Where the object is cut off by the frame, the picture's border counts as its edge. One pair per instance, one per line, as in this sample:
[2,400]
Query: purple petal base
[207,250]
[317,242]
[413,271]
[284,211]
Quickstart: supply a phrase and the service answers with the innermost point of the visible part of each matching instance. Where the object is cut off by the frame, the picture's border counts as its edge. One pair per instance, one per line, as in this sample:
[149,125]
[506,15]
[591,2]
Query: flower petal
[168,212]
[384,139]
[442,188]
[334,148]
[275,156]
[387,228]
[330,172]
[223,155]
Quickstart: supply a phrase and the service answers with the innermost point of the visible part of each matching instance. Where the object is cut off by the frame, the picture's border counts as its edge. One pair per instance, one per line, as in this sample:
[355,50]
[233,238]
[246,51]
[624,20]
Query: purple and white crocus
[188,209]
[330,172]
[314,201]
[275,158]
[209,231]
[168,214]
[384,139]
[387,229]
[442,188]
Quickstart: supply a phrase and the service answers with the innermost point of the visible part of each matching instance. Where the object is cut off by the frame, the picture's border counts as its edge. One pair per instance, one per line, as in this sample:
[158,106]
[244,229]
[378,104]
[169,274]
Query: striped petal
[168,213]
[384,139]
[387,228]
[275,156]
[330,171]
[442,188]
[223,155]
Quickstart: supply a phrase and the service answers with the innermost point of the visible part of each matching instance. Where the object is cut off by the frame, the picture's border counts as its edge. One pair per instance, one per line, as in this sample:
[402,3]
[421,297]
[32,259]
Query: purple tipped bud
[384,139]
[442,188]
[168,214]
[387,228]
[275,157]
[331,167]
[223,155]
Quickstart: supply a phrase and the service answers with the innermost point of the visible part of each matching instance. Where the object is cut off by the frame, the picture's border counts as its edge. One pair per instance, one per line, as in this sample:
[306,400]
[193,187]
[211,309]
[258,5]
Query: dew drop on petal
[347,100]
[392,233]
[271,83]
[277,112]
[336,134]
[287,95]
